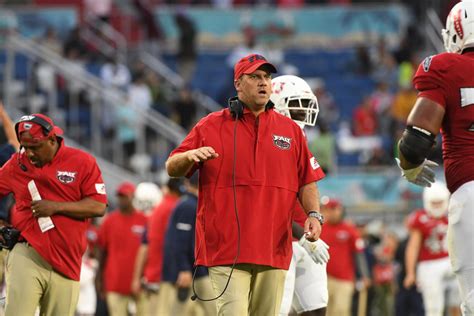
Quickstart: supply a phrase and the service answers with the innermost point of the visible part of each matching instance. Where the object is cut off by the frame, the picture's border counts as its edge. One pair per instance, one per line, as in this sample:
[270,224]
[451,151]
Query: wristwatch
[317,215]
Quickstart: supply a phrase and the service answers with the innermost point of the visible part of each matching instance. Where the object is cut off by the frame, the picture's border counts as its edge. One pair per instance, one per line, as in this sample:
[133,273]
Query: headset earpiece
[236,108]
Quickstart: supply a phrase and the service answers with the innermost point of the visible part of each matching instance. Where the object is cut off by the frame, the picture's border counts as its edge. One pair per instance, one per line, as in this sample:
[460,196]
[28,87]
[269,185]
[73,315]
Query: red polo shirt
[157,225]
[344,242]
[272,163]
[120,236]
[62,180]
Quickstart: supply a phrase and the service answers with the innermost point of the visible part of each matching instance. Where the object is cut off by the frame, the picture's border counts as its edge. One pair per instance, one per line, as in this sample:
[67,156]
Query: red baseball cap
[249,64]
[38,127]
[126,188]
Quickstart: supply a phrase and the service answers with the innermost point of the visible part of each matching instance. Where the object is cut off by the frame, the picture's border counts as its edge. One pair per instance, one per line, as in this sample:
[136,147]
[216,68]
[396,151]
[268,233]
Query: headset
[45,125]
[236,107]
[237,110]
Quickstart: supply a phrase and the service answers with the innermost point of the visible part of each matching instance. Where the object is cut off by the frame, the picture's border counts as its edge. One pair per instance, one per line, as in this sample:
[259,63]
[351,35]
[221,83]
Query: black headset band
[47,127]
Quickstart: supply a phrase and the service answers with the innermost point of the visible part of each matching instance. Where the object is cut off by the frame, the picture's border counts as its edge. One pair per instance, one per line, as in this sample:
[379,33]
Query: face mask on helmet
[293,98]
[147,196]
[436,200]
[459,31]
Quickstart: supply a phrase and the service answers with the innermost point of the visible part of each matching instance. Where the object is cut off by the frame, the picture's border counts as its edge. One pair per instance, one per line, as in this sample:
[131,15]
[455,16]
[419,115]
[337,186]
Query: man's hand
[312,229]
[185,279]
[202,154]
[136,287]
[318,250]
[409,281]
[43,208]
[423,175]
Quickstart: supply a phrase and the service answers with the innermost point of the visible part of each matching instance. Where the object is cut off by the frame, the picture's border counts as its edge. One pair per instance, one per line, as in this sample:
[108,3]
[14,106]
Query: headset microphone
[20,164]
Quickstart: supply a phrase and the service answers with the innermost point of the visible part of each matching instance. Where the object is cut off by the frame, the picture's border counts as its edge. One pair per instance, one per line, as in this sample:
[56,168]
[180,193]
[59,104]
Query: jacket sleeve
[185,228]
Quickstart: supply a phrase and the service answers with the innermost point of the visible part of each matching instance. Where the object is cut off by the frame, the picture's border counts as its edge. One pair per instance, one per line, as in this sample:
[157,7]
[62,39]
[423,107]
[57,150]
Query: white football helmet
[436,199]
[459,31]
[147,196]
[294,98]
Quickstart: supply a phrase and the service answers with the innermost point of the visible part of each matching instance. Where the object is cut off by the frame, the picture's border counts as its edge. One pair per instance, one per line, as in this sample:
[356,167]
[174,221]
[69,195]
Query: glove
[423,175]
[318,250]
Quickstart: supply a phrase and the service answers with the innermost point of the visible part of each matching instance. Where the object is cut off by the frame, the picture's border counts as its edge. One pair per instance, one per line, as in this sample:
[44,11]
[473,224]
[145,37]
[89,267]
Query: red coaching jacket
[72,176]
[272,163]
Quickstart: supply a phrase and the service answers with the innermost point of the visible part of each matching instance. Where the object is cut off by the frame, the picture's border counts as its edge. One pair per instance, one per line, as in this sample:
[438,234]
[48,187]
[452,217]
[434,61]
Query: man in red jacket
[55,195]
[254,165]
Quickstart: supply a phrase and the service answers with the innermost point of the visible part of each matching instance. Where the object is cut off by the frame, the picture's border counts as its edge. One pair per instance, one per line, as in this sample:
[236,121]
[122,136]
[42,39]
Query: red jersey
[344,242]
[433,231]
[272,163]
[157,224]
[447,79]
[62,180]
[120,236]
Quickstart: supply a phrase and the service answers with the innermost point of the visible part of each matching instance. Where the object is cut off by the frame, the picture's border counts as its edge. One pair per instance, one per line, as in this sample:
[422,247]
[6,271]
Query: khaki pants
[31,281]
[152,302]
[168,303]
[118,304]
[340,297]
[252,290]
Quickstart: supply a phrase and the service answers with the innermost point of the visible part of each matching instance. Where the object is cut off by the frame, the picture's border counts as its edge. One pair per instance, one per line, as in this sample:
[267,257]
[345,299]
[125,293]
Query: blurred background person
[149,262]
[119,239]
[179,273]
[426,259]
[346,250]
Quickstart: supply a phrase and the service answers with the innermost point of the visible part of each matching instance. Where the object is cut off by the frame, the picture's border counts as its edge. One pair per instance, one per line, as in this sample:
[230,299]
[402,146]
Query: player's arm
[180,164]
[99,278]
[363,267]
[308,196]
[140,262]
[423,124]
[85,208]
[8,128]
[411,257]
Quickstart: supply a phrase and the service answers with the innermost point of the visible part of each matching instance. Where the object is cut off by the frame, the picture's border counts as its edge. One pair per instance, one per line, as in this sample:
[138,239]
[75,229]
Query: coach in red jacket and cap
[253,162]
[43,267]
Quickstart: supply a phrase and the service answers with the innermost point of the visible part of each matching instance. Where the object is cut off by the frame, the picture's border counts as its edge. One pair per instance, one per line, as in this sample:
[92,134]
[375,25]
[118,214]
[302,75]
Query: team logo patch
[100,188]
[282,142]
[314,163]
[27,118]
[66,176]
[427,63]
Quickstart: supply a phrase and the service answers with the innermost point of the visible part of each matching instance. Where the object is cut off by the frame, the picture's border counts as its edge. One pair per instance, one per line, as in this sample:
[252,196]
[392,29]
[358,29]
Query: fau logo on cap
[255,57]
[282,142]
[66,176]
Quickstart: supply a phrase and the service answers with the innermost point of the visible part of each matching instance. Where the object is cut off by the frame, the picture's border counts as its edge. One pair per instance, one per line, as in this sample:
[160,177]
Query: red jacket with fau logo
[71,176]
[272,163]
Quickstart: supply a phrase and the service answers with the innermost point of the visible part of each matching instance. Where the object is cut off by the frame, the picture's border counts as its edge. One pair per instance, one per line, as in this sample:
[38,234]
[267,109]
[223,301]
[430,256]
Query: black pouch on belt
[10,237]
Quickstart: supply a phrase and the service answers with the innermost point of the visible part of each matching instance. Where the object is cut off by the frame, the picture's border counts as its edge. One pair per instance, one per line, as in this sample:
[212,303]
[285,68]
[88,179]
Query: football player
[426,257]
[147,196]
[446,101]
[306,281]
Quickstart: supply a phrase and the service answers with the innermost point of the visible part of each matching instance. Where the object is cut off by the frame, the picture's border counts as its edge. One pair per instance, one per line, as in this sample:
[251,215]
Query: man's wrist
[317,215]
